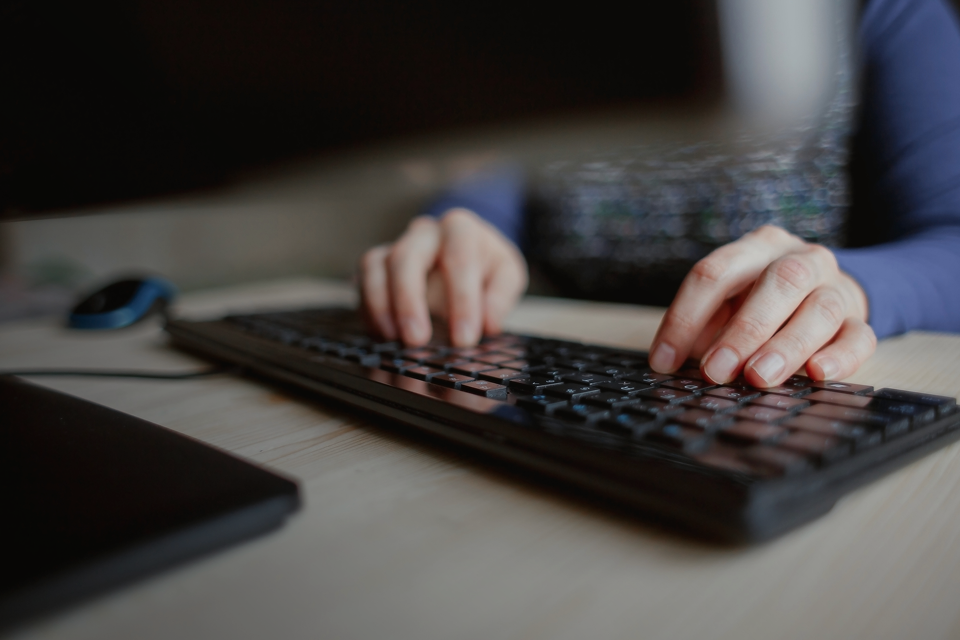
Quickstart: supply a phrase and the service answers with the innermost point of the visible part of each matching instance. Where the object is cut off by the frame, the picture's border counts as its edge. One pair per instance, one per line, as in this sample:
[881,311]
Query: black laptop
[94,498]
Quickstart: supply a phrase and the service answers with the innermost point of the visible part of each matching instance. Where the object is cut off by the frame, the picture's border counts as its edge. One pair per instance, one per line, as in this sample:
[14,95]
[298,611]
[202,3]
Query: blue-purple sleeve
[911,123]
[497,195]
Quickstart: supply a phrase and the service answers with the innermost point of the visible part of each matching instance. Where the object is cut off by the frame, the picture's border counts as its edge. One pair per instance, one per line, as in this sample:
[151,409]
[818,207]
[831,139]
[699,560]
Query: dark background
[107,101]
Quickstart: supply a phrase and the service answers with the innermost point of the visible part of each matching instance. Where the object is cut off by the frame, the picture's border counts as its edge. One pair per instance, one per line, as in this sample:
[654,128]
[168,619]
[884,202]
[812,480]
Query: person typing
[769,301]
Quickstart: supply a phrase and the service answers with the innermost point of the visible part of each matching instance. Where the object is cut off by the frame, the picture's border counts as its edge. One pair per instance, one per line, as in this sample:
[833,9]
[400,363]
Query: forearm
[910,284]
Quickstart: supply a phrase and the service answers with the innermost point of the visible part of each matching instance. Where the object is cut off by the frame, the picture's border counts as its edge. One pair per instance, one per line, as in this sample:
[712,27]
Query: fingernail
[769,366]
[413,330]
[464,333]
[828,366]
[662,358]
[722,365]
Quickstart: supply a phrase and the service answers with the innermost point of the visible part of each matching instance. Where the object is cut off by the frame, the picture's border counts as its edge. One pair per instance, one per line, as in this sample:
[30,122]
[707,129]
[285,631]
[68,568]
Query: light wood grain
[401,538]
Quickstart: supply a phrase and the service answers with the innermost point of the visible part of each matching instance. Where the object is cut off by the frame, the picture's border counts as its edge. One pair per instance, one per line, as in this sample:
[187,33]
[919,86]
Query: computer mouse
[122,303]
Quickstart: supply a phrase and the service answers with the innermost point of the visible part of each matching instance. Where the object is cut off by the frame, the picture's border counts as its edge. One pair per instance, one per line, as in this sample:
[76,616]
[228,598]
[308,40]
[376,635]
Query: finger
[410,259]
[719,276]
[504,285]
[375,293]
[710,332]
[778,293]
[854,343]
[815,323]
[460,266]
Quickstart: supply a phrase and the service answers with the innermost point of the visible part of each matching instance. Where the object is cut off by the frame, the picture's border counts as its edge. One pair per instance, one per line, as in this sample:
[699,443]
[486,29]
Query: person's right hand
[460,267]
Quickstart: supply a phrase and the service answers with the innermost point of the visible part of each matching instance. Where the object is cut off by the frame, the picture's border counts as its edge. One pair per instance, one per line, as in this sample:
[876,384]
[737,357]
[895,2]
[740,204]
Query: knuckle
[823,255]
[790,274]
[710,270]
[453,260]
[796,344]
[458,216]
[770,232]
[750,329]
[829,304]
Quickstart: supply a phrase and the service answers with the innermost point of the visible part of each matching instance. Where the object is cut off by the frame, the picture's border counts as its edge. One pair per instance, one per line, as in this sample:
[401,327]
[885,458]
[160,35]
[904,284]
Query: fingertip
[464,333]
[766,371]
[414,331]
[721,366]
[823,367]
[663,358]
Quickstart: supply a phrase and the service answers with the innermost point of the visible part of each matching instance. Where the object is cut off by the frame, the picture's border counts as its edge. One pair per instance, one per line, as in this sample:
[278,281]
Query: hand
[765,305]
[459,266]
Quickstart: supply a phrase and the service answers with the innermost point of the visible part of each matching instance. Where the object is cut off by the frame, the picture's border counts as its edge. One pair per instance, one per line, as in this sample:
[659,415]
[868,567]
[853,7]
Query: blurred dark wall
[106,101]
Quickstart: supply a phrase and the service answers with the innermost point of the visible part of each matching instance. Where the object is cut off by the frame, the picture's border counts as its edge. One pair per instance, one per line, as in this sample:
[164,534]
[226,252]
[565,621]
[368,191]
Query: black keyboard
[728,461]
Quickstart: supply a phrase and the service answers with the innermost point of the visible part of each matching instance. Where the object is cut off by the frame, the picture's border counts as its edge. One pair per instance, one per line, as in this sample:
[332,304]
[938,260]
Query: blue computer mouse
[122,303]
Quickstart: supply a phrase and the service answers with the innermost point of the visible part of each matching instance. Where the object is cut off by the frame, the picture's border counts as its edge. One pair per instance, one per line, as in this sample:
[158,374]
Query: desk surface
[404,539]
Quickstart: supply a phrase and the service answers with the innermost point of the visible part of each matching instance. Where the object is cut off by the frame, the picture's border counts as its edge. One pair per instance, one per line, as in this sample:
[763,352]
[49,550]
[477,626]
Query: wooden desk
[403,539]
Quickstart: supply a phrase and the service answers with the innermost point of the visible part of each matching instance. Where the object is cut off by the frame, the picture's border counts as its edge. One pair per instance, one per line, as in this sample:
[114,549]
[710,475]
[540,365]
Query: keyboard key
[709,403]
[686,439]
[918,414]
[485,388]
[648,378]
[610,400]
[824,449]
[466,352]
[776,461]
[842,387]
[586,377]
[448,379]
[703,419]
[688,384]
[835,397]
[570,390]
[418,354]
[795,386]
[423,372]
[891,425]
[444,361]
[540,403]
[789,391]
[620,386]
[654,408]
[495,357]
[531,384]
[731,393]
[860,436]
[499,375]
[943,404]
[397,365]
[784,403]
[665,395]
[726,458]
[626,361]
[761,413]
[690,372]
[365,358]
[386,347]
[581,412]
[629,424]
[574,363]
[550,370]
[611,371]
[519,365]
[472,368]
[748,431]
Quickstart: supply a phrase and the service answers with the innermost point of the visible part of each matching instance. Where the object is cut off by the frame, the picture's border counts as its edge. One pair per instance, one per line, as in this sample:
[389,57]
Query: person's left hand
[764,306]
